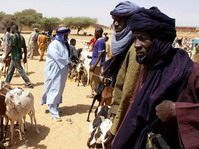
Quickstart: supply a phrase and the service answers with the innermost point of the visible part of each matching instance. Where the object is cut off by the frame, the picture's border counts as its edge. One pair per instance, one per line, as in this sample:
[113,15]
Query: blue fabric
[100,45]
[166,72]
[121,41]
[61,32]
[54,110]
[56,70]
[16,63]
[124,9]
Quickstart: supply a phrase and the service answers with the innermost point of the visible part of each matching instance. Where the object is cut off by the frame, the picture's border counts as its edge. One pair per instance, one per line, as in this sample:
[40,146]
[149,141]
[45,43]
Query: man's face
[98,34]
[66,37]
[119,23]
[12,29]
[142,43]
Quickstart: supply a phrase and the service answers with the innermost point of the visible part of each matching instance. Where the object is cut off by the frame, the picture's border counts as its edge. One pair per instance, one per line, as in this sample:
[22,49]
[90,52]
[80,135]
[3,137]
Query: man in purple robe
[167,93]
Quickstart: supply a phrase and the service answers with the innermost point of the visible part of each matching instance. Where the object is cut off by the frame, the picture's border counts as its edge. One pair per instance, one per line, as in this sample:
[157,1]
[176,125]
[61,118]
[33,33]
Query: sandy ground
[56,135]
[75,106]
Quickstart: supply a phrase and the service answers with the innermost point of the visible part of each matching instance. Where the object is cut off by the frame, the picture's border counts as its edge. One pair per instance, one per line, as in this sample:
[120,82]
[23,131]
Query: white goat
[86,62]
[99,127]
[19,103]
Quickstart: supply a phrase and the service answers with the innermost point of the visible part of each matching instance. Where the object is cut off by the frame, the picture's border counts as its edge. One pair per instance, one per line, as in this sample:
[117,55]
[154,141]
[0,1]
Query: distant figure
[92,43]
[195,54]
[6,40]
[108,48]
[73,57]
[56,70]
[17,42]
[32,44]
[98,57]
[73,51]
[42,42]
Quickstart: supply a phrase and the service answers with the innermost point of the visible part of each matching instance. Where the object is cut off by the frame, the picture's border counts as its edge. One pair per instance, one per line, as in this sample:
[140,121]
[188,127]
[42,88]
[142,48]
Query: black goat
[99,89]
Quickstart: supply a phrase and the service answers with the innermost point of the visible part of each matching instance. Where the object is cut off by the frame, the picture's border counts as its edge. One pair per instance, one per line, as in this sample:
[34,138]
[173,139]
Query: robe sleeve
[188,123]
[124,88]
[59,53]
[187,112]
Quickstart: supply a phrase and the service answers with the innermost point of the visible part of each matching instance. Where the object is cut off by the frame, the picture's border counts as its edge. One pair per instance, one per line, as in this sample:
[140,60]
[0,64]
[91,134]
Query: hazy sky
[186,12]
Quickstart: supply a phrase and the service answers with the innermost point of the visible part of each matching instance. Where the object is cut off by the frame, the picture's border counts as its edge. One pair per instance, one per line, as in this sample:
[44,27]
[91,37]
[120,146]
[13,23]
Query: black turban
[155,23]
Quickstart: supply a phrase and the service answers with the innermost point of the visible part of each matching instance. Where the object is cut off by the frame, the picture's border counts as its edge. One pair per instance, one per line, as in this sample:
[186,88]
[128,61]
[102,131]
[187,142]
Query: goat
[86,58]
[19,103]
[99,127]
[81,74]
[103,96]
[99,89]
[3,91]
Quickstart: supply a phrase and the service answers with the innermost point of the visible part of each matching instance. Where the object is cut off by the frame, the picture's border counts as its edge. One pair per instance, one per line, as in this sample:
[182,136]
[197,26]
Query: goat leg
[93,102]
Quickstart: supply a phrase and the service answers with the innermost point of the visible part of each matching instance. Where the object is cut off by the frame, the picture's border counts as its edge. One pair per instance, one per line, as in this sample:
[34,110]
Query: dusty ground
[56,135]
[75,106]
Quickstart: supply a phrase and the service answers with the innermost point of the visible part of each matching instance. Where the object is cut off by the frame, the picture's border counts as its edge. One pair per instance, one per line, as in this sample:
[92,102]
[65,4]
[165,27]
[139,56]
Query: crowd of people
[155,81]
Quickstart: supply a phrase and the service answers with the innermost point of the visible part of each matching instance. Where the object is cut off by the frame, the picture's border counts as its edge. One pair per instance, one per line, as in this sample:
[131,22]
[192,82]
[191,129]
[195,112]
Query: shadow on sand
[31,137]
[79,108]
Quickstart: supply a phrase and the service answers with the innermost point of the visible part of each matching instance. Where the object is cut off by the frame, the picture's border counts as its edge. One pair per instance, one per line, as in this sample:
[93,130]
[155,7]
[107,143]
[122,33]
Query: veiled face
[142,43]
[66,37]
[119,23]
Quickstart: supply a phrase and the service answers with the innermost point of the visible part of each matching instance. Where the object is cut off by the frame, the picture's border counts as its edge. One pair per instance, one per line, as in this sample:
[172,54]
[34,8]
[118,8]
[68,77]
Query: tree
[50,23]
[27,17]
[79,22]
[7,21]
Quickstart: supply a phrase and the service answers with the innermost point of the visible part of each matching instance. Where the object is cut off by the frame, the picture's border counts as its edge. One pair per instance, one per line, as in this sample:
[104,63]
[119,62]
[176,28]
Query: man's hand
[108,139]
[166,110]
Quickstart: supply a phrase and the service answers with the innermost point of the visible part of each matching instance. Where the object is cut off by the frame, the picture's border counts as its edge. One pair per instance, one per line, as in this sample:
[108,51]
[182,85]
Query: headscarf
[121,41]
[60,34]
[167,70]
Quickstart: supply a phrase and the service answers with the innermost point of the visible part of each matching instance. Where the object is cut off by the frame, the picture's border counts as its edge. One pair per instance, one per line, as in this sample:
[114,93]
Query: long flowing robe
[56,70]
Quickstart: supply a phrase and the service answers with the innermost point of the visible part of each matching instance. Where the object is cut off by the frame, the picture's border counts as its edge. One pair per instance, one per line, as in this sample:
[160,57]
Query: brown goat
[106,96]
[3,91]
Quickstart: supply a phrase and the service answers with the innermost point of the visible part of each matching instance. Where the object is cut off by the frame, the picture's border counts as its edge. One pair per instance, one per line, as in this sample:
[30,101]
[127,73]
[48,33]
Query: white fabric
[56,70]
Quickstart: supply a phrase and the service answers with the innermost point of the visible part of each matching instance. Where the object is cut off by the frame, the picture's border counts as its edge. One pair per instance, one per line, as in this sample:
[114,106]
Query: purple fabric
[165,80]
[99,46]
[167,70]
[155,23]
[60,33]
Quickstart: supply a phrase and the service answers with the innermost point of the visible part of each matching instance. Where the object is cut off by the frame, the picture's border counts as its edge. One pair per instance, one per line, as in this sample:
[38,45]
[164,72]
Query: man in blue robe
[56,70]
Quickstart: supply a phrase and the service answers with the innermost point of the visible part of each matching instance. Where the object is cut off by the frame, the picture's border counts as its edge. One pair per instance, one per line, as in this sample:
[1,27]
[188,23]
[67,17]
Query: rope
[6,88]
[2,95]
[102,77]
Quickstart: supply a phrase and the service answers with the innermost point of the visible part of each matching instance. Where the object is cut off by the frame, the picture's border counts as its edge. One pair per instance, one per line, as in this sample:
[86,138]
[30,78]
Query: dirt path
[56,135]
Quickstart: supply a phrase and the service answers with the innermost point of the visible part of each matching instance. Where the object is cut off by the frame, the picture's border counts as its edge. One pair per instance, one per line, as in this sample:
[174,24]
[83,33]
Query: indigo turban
[155,23]
[60,34]
[124,9]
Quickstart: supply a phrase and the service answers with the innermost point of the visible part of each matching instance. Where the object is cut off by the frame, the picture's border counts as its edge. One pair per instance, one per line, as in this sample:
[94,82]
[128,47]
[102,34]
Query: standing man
[32,44]
[42,42]
[167,89]
[17,42]
[56,70]
[122,67]
[6,40]
[98,57]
